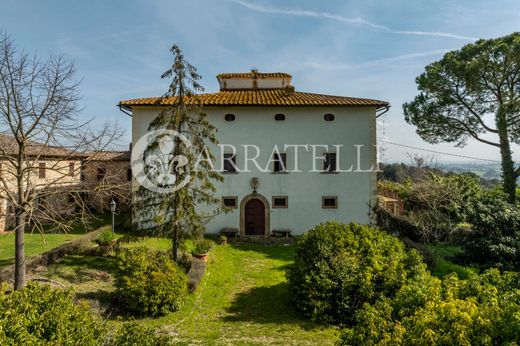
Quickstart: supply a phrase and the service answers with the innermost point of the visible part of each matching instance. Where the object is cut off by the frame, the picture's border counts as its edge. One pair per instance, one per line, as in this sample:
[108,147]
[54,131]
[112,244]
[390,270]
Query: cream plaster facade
[353,128]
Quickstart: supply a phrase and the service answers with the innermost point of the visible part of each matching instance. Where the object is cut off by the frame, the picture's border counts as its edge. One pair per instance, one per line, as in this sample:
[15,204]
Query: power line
[441,153]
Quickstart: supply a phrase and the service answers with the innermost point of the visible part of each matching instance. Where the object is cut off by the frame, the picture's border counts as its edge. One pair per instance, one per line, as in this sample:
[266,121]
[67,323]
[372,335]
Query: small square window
[71,169]
[329,202]
[230,162]
[230,201]
[280,202]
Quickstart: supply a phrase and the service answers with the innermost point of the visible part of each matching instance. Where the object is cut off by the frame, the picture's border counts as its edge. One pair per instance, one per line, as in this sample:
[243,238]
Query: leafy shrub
[40,314]
[482,310]
[202,246]
[133,333]
[105,238]
[495,237]
[434,206]
[149,282]
[340,267]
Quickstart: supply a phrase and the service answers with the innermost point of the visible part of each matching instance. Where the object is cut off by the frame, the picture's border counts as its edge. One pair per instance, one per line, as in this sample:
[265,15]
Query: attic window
[328,117]
[229,117]
[279,117]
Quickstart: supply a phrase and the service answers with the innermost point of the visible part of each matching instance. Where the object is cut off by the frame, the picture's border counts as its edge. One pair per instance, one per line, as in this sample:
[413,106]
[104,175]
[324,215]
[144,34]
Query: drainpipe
[384,110]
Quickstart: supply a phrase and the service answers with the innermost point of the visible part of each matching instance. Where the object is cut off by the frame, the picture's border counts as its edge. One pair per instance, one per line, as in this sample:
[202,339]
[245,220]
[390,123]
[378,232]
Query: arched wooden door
[254,213]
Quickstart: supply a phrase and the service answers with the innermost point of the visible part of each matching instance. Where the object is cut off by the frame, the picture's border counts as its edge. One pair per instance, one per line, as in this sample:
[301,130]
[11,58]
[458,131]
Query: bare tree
[43,143]
[421,164]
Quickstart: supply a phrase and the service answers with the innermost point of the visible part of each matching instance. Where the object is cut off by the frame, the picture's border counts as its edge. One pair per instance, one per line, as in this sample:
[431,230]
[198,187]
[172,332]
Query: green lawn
[443,264]
[244,298]
[36,243]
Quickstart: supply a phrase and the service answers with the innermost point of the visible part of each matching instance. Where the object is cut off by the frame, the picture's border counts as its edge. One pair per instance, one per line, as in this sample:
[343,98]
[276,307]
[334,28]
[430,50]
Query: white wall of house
[303,125]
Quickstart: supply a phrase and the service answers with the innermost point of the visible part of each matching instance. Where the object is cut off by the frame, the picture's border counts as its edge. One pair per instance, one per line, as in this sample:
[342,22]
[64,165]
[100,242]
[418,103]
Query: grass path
[245,300]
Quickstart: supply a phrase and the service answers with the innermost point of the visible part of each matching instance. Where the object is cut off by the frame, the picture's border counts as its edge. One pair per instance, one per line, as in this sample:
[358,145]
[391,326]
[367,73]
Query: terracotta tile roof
[10,147]
[262,97]
[254,75]
[109,156]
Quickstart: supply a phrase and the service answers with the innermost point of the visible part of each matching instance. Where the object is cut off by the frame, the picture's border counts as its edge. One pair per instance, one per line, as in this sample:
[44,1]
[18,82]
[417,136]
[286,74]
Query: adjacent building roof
[261,97]
[109,156]
[9,147]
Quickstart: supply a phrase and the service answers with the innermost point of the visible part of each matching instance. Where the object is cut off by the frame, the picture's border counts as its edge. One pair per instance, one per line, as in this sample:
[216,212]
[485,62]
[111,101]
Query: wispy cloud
[347,20]
[328,65]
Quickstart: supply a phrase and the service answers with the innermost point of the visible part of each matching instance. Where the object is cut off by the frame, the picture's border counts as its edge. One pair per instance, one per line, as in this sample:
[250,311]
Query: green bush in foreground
[42,315]
[340,267]
[134,334]
[39,314]
[149,282]
[482,310]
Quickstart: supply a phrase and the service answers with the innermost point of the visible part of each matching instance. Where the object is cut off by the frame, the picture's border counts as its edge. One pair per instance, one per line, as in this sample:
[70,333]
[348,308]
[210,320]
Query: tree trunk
[175,243]
[508,170]
[19,269]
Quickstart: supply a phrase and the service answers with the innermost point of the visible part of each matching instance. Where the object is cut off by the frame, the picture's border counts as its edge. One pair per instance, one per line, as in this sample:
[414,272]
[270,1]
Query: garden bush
[340,267]
[494,240]
[149,282]
[133,333]
[481,310]
[433,207]
[40,314]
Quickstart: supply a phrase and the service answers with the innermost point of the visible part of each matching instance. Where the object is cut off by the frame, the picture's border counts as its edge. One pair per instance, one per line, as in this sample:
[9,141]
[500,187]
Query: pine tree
[177,214]
[473,92]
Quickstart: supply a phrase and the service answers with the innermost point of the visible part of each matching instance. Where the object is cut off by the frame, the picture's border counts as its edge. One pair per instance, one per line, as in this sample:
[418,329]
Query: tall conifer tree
[177,214]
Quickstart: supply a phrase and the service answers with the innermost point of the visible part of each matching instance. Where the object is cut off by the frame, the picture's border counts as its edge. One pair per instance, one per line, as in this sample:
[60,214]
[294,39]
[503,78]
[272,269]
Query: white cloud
[328,65]
[348,20]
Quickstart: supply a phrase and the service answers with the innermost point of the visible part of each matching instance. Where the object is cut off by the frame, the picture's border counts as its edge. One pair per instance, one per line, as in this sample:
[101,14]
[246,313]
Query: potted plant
[106,240]
[201,249]
[222,239]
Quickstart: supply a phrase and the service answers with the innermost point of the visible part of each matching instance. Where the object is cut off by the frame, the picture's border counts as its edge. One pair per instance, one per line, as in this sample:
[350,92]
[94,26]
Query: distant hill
[485,170]
[488,172]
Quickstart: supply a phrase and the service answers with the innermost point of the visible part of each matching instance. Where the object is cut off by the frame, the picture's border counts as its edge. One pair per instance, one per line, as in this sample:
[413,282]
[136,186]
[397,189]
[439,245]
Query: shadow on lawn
[6,262]
[269,304]
[84,268]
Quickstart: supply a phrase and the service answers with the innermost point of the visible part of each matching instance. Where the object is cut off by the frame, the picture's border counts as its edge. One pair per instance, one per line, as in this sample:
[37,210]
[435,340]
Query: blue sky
[353,48]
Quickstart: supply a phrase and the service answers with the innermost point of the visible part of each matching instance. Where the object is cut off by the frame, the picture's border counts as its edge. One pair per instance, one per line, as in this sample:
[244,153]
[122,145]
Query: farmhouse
[290,159]
[59,174]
